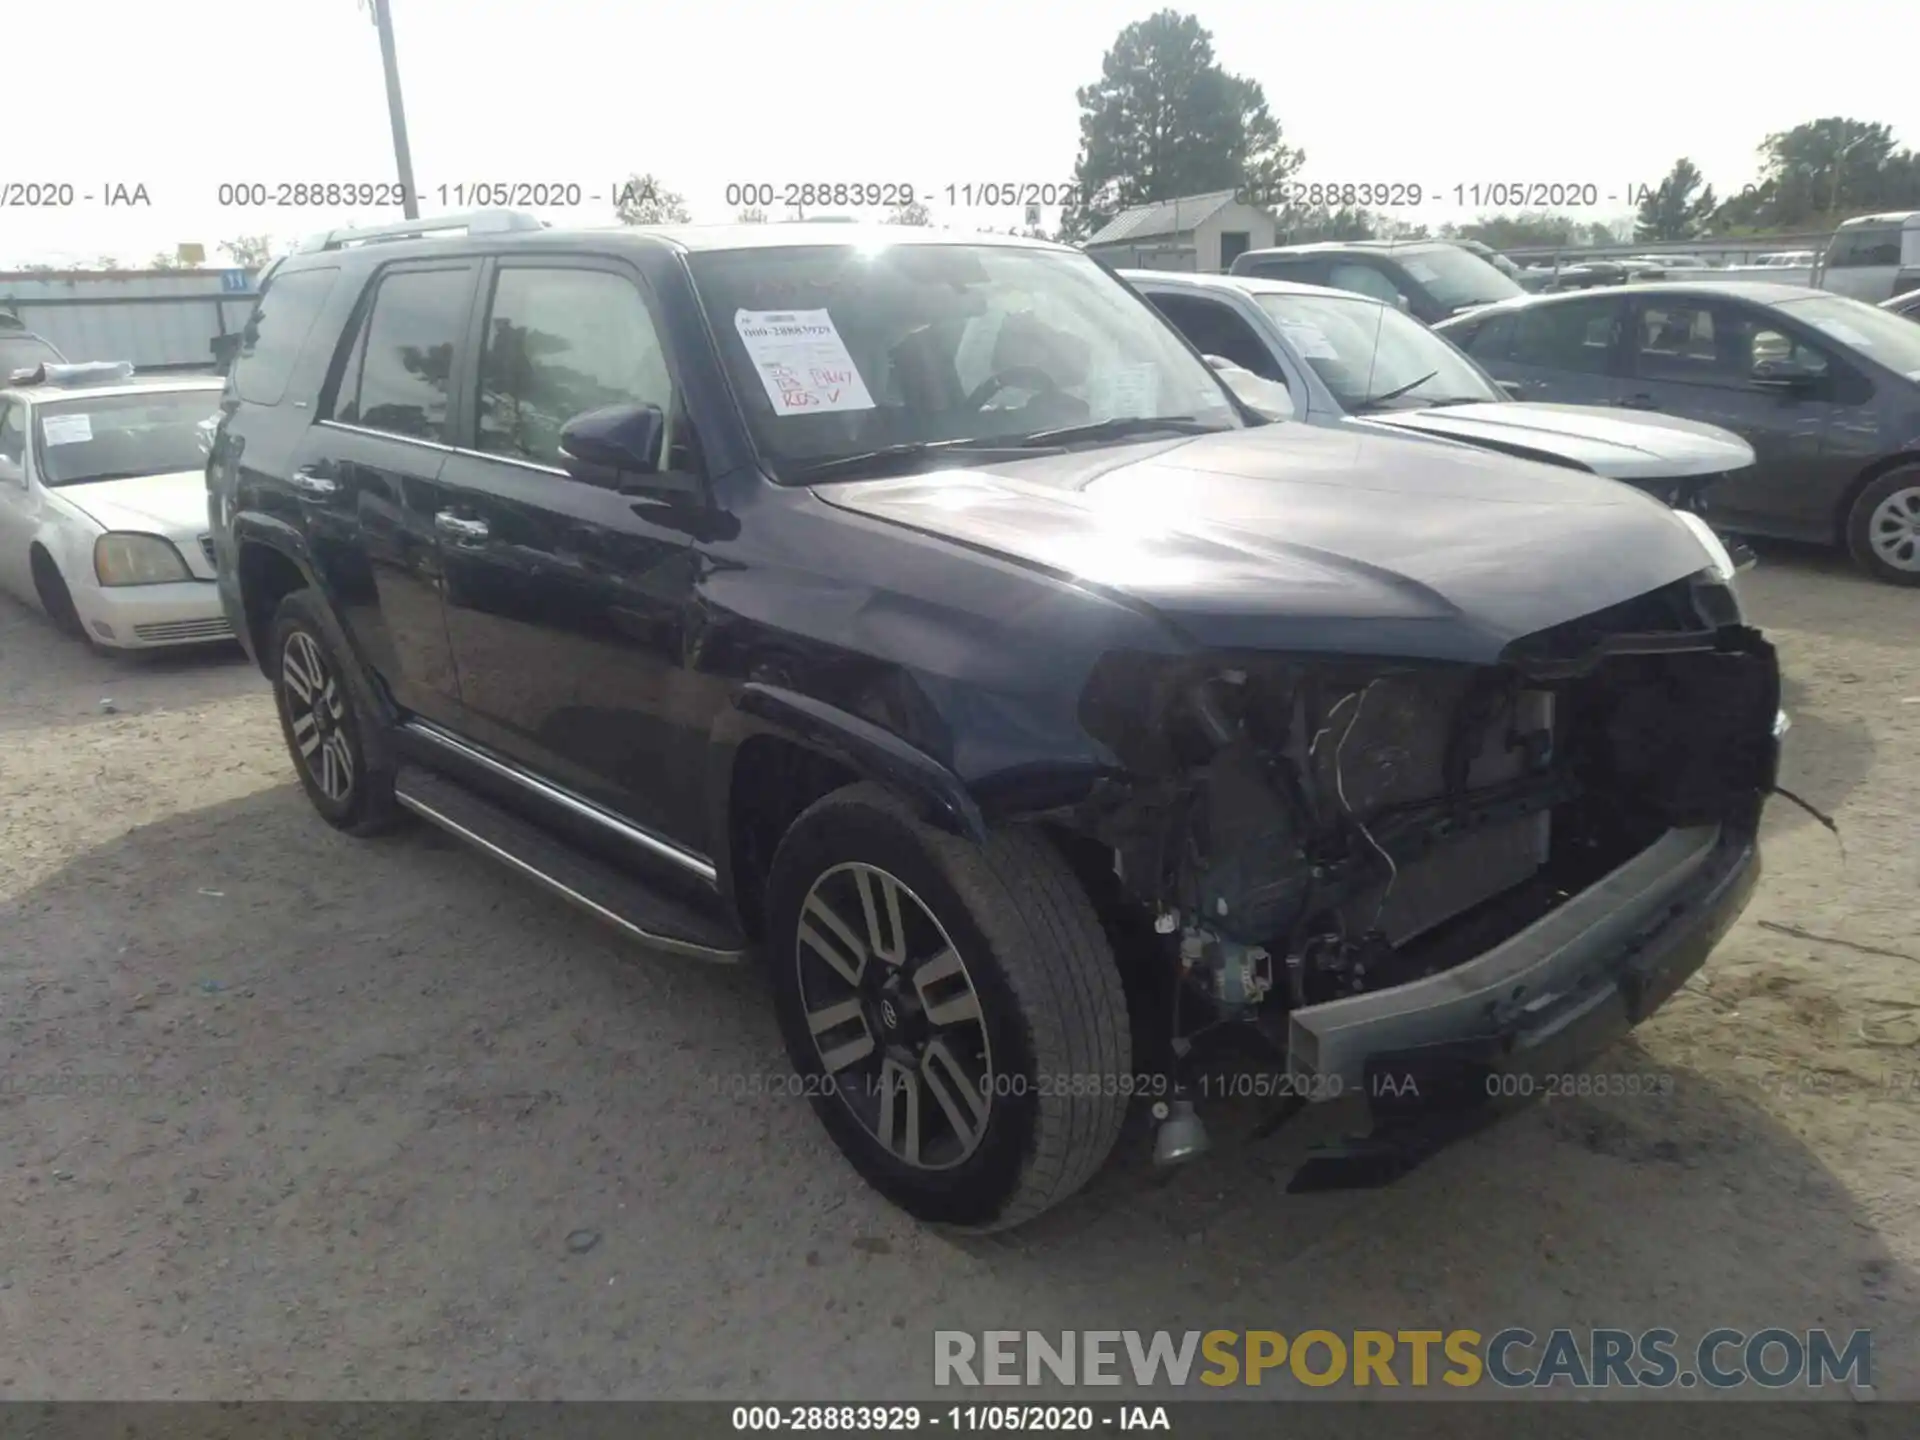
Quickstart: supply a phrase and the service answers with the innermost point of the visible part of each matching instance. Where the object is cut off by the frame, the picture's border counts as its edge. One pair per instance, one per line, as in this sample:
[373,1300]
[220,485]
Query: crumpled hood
[1633,447]
[174,505]
[1298,537]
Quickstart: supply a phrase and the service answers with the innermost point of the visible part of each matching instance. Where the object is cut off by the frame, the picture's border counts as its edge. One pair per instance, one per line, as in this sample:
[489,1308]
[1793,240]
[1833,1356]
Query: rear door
[567,601]
[367,476]
[1564,351]
[1695,357]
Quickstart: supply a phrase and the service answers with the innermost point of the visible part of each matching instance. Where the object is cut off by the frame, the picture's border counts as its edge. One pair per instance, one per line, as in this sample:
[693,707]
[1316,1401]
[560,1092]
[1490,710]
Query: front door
[366,478]
[566,600]
[1696,358]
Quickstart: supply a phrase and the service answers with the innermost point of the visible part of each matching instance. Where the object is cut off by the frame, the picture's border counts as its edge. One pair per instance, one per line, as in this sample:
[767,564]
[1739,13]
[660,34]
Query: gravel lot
[375,1119]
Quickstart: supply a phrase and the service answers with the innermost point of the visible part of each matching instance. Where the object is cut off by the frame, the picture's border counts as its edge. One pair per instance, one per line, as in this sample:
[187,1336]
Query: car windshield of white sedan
[115,437]
[840,351]
[1879,334]
[1373,357]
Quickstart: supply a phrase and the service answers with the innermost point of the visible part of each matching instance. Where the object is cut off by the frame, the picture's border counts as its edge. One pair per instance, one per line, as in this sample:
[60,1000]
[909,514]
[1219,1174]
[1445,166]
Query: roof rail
[472,222]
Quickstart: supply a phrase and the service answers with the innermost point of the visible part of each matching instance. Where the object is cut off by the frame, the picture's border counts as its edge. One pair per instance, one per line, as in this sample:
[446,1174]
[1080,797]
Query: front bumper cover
[1426,1061]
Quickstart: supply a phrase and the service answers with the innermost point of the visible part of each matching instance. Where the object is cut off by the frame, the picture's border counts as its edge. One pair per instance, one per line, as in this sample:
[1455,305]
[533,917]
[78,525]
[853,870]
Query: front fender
[860,745]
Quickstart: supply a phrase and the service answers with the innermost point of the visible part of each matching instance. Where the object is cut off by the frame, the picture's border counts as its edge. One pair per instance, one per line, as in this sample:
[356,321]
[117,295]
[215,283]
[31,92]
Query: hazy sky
[181,99]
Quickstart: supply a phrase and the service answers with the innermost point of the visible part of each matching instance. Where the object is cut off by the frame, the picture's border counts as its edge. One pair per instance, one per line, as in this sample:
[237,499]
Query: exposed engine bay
[1323,828]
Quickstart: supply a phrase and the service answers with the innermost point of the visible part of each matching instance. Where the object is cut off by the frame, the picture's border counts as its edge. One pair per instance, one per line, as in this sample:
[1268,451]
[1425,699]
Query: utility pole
[396,112]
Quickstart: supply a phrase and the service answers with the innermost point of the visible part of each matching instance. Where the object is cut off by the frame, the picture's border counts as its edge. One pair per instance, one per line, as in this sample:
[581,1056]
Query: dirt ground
[374,1119]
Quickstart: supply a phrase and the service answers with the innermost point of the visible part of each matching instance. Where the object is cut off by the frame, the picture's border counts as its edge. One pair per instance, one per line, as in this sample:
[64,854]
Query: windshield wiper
[1119,428]
[1395,393]
[904,457]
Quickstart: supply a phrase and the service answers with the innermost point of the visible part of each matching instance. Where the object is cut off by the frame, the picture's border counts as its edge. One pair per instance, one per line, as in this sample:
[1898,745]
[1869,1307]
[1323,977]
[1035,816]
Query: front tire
[952,1010]
[329,721]
[1883,527]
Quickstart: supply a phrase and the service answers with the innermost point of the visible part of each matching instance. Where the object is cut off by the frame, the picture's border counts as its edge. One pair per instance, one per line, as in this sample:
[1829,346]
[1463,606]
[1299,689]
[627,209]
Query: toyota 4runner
[922,613]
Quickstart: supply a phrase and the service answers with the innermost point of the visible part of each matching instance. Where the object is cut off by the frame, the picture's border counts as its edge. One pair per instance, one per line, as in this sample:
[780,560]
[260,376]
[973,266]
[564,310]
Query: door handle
[459,527]
[307,482]
[1638,402]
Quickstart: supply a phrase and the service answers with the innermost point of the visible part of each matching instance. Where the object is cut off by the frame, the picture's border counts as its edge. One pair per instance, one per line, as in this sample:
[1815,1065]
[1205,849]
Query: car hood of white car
[1637,447]
[174,505]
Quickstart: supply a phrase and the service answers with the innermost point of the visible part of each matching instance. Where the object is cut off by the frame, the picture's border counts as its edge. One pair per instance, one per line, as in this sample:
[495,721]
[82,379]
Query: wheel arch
[270,562]
[776,751]
[1886,465]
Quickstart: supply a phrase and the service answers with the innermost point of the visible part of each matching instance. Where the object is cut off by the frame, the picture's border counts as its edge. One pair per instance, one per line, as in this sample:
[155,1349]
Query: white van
[1872,257]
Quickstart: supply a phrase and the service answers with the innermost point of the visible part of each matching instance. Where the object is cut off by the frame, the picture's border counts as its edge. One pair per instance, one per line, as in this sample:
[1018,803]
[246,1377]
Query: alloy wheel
[894,1016]
[316,716]
[1893,530]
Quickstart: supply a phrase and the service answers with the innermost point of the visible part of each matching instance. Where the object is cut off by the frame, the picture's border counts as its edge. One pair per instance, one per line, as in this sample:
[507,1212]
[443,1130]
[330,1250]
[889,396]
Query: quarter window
[559,343]
[277,331]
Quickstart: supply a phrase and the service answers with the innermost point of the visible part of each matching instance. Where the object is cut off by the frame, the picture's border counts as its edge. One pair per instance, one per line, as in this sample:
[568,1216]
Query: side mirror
[11,473]
[1268,399]
[1402,304]
[617,448]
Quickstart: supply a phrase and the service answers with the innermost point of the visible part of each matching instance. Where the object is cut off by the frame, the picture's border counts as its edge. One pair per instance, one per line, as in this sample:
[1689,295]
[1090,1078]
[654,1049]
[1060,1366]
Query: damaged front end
[1405,879]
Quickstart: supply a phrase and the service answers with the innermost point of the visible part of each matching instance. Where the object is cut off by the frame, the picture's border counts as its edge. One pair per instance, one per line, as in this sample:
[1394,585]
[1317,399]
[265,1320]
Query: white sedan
[103,504]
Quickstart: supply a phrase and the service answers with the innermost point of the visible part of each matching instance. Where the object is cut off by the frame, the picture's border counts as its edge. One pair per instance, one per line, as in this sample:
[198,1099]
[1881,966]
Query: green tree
[249,252]
[1303,224]
[1822,171]
[1165,120]
[1531,228]
[752,215]
[911,212]
[643,200]
[1678,208]
[165,261]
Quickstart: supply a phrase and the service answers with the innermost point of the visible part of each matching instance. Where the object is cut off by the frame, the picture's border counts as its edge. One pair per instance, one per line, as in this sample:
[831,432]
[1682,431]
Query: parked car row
[1352,359]
[1826,389]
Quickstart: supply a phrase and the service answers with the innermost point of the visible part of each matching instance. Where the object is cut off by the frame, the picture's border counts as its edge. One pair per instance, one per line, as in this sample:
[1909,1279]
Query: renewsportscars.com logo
[1512,1358]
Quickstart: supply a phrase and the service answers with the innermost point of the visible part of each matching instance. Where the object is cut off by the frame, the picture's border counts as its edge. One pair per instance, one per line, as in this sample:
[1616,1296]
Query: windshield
[840,350]
[1879,334]
[1364,351]
[112,437]
[1456,277]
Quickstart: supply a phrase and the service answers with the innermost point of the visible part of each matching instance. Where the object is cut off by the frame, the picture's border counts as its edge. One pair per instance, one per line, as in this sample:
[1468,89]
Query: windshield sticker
[1128,392]
[66,429]
[1845,333]
[1310,340]
[802,361]
[1421,271]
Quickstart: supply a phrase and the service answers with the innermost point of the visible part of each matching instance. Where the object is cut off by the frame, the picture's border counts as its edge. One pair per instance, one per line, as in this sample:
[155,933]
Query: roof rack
[472,222]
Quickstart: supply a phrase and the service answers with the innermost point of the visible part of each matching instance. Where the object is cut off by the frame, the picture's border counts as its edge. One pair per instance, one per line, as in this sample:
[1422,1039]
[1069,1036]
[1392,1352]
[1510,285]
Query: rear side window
[399,373]
[23,352]
[1868,245]
[1576,336]
[1485,339]
[277,332]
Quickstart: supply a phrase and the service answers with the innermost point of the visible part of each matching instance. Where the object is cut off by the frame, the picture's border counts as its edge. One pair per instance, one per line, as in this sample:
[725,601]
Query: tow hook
[1180,1135]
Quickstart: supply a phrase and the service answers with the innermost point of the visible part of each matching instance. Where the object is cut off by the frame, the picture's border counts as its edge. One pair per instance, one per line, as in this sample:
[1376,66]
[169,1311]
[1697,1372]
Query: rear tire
[1025,1100]
[1883,527]
[329,720]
